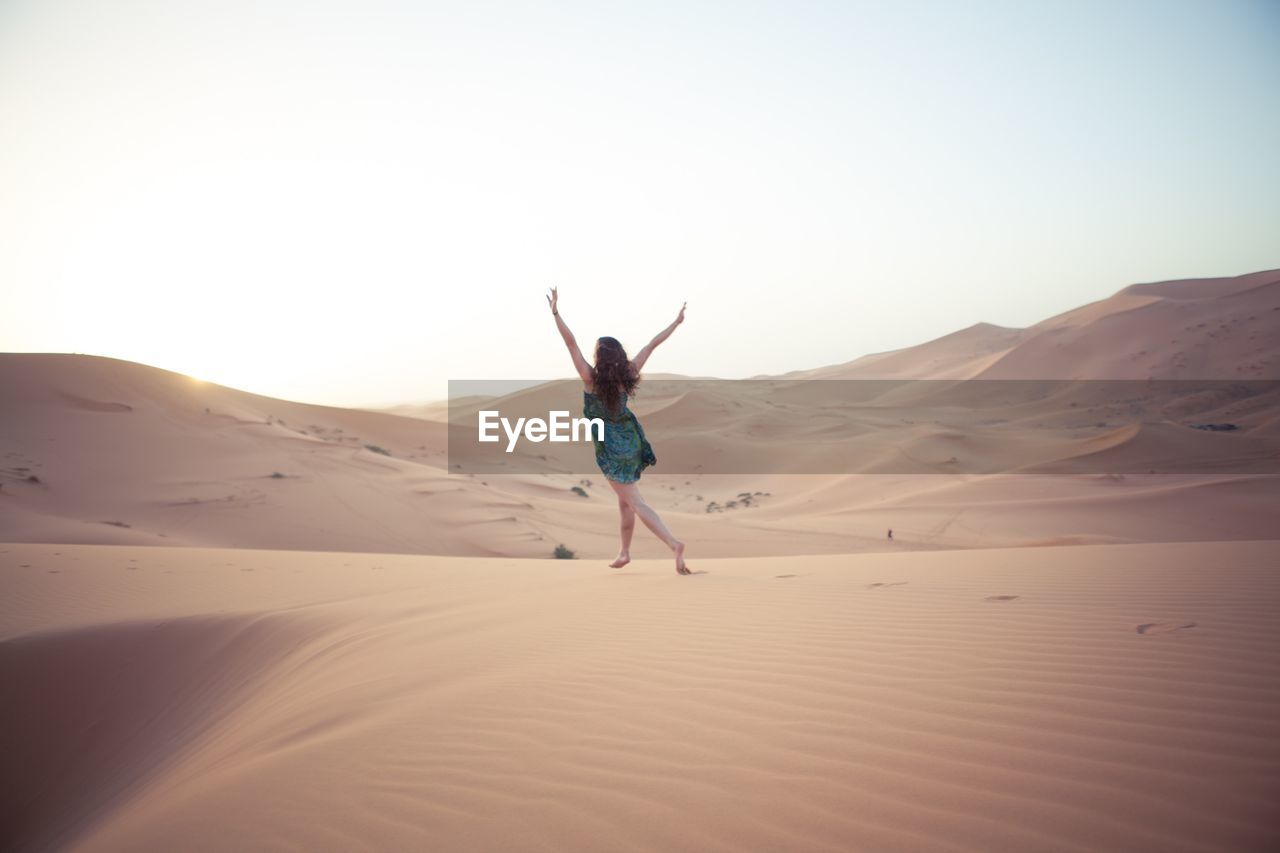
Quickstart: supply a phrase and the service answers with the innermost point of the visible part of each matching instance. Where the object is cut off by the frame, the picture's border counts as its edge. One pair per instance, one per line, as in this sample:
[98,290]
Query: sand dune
[1204,329]
[272,625]
[123,453]
[959,355]
[1215,328]
[122,705]
[1109,697]
[162,460]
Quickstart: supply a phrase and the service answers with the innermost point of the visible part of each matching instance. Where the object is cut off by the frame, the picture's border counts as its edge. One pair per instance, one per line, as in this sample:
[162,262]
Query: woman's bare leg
[630,493]
[627,527]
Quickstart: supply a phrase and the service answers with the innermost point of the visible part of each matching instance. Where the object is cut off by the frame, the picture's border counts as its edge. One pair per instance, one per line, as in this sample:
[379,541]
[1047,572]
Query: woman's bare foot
[681,568]
[623,559]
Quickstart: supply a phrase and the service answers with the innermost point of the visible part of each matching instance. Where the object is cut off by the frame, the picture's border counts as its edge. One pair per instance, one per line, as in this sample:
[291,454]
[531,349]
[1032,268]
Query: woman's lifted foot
[623,559]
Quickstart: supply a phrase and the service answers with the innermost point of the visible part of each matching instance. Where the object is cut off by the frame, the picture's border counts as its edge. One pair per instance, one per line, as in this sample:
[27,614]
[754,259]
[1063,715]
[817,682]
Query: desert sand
[1115,697]
[235,622]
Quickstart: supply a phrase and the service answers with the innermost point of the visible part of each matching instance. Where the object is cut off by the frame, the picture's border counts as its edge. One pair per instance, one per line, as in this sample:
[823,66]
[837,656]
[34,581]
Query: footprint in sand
[880,584]
[1163,627]
[1001,597]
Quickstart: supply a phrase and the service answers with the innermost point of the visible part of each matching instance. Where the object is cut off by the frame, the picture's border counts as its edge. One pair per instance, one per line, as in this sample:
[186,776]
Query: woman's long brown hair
[613,374]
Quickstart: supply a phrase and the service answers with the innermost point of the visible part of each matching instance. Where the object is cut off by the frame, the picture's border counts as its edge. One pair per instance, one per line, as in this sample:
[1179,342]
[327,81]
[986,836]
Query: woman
[625,452]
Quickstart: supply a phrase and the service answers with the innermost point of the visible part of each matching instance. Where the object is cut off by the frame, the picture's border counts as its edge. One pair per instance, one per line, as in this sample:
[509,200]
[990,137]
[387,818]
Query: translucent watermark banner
[876,426]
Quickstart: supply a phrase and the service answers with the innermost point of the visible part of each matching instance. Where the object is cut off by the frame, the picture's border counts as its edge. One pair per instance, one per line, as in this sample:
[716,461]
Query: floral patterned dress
[625,452]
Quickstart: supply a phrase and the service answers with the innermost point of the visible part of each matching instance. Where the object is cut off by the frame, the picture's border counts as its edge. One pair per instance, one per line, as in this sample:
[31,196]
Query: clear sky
[353,202]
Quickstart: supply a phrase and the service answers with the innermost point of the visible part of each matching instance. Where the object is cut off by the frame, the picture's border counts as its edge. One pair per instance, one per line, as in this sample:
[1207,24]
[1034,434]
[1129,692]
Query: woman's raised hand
[680,316]
[552,297]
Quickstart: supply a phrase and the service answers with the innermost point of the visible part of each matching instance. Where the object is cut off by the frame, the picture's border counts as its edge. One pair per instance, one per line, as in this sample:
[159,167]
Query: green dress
[625,452]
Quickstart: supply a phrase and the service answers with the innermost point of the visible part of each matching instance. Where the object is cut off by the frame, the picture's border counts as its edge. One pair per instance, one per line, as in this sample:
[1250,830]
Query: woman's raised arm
[579,363]
[643,355]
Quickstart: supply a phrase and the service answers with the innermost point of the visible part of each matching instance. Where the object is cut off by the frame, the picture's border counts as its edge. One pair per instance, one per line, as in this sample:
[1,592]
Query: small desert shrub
[562,553]
[276,475]
[578,490]
[376,449]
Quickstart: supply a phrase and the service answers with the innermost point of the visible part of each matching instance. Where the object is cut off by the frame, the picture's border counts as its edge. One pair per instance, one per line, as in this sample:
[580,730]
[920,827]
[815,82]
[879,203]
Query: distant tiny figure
[890,532]
[625,451]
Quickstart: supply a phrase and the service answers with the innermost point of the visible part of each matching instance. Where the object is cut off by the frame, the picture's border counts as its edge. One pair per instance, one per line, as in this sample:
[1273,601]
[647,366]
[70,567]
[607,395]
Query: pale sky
[351,203]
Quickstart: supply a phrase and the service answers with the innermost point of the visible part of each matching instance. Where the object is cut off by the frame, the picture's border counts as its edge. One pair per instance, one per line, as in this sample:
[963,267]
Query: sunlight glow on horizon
[351,206]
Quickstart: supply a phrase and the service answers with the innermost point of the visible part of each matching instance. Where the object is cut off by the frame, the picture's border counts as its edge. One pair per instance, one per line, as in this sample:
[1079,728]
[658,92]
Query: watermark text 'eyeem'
[559,427]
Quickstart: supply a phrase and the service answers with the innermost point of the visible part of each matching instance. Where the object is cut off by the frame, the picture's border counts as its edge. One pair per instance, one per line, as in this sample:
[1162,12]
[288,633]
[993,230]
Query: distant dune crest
[1211,328]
